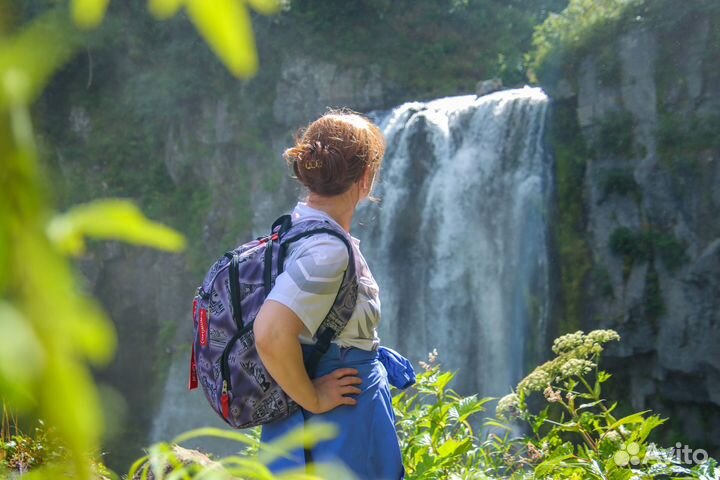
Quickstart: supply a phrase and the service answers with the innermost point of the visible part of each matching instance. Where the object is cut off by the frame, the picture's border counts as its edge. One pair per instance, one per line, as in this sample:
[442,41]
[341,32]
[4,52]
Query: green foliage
[433,424]
[408,39]
[109,219]
[682,141]
[615,134]
[592,26]
[569,220]
[170,461]
[21,452]
[636,246]
[574,431]
[601,278]
[653,303]
[642,246]
[555,425]
[583,24]
[619,182]
[225,25]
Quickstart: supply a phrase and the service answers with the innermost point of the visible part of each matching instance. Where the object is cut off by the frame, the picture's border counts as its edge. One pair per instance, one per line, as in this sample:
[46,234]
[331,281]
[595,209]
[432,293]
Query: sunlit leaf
[306,437]
[215,433]
[225,25]
[89,13]
[110,220]
[28,59]
[21,356]
[71,404]
[266,7]
[634,418]
[164,9]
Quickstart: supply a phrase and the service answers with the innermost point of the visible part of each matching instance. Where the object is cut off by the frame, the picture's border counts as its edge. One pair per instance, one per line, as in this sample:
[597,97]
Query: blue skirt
[367,442]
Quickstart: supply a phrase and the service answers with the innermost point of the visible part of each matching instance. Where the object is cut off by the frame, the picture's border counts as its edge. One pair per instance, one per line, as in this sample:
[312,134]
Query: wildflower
[432,358]
[552,396]
[612,436]
[534,454]
[576,367]
[536,381]
[567,342]
[603,336]
[508,406]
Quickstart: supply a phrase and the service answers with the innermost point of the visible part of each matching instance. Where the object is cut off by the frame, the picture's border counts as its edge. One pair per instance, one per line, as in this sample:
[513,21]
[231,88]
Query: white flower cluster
[581,345]
[575,367]
[567,342]
[574,352]
[537,380]
[508,406]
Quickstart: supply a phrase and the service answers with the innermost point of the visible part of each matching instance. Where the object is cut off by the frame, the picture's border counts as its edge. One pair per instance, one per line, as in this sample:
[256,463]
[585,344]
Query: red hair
[334,151]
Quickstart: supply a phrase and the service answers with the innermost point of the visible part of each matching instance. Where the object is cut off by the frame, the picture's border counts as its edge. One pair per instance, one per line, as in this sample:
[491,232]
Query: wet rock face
[662,299]
[306,88]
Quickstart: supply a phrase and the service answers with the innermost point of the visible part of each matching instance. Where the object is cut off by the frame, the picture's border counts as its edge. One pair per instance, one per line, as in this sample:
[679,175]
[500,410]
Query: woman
[336,158]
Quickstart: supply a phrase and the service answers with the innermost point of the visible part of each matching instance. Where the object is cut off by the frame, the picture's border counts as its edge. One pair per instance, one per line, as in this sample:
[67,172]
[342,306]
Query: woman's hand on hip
[331,389]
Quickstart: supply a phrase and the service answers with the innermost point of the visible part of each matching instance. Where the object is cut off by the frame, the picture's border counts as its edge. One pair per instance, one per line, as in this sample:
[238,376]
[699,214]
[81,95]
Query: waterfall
[459,240]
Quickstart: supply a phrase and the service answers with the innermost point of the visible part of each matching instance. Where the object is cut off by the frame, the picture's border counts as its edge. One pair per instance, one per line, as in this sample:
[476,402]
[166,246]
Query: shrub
[615,134]
[555,425]
[619,182]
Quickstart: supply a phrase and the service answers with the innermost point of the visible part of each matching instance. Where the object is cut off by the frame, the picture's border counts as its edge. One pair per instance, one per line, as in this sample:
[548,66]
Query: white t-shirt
[310,281]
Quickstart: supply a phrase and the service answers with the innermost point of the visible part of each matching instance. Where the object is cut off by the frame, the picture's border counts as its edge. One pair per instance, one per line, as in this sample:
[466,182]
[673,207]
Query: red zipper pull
[225,400]
[193,382]
[203,328]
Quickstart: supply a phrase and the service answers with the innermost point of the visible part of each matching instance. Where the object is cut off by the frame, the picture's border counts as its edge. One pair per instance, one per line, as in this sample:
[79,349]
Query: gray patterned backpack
[224,359]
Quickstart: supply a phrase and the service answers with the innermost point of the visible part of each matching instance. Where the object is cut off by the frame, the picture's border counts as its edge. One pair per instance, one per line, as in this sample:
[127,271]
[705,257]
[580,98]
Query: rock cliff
[647,106]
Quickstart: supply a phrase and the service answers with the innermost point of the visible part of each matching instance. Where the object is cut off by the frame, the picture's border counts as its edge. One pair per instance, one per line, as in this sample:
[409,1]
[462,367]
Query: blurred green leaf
[225,25]
[110,219]
[164,9]
[307,437]
[89,13]
[21,356]
[266,7]
[28,59]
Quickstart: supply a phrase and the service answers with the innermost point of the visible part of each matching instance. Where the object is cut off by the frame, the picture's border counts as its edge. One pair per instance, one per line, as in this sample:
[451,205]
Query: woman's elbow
[265,334]
[275,326]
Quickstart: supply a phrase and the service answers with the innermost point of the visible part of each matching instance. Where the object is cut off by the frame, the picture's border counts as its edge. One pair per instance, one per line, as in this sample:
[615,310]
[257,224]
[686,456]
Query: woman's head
[336,152]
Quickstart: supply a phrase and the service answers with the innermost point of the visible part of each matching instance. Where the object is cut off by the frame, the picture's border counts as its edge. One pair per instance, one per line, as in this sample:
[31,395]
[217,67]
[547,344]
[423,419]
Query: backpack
[224,359]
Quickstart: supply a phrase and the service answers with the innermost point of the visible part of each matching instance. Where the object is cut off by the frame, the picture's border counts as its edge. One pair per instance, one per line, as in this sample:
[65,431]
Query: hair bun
[334,151]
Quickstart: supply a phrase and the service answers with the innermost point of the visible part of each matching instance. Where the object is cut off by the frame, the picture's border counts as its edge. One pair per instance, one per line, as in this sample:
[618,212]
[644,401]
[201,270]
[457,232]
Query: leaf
[164,9]
[110,219]
[453,447]
[21,355]
[634,418]
[469,406]
[215,433]
[496,424]
[590,405]
[89,13]
[308,436]
[225,25]
[266,7]
[29,58]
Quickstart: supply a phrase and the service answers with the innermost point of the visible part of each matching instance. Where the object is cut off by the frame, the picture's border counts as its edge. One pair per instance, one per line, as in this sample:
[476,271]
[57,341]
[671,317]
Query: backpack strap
[345,300]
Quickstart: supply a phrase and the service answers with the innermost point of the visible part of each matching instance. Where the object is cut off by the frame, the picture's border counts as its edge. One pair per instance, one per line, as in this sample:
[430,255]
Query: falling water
[459,240]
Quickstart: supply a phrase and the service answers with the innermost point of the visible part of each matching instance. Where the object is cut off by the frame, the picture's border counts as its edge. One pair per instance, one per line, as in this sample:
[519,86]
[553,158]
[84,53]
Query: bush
[555,425]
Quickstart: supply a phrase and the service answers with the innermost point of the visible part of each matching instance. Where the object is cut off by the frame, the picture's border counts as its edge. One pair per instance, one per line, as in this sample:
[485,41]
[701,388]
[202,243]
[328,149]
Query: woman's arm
[276,338]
